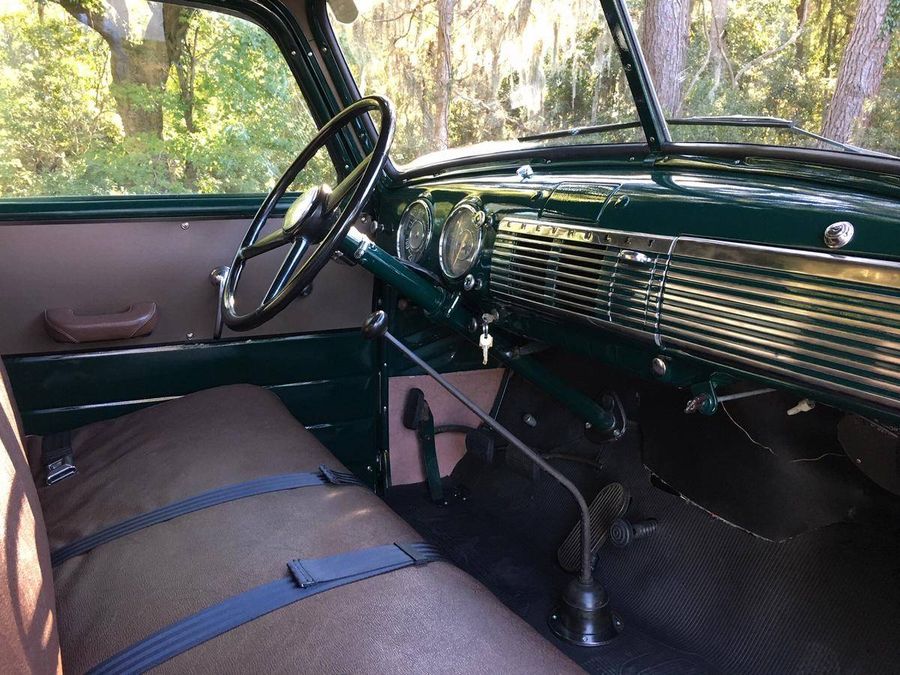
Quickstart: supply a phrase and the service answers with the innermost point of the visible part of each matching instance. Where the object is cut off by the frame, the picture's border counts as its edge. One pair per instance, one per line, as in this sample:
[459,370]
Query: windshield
[830,67]
[466,72]
[474,76]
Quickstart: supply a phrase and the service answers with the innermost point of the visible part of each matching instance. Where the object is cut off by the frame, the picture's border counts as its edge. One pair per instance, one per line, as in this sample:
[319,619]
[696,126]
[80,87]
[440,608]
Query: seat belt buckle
[338,477]
[418,558]
[61,469]
[302,576]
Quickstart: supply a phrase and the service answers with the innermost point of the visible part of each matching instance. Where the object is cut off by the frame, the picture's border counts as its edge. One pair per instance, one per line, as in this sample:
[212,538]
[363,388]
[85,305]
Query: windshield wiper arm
[580,131]
[713,120]
[766,122]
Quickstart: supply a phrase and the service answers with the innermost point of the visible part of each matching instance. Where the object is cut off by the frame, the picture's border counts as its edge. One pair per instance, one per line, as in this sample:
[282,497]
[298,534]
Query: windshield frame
[658,139]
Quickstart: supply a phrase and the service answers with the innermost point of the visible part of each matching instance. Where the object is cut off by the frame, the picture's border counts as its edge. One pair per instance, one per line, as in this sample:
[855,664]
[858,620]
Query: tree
[443,73]
[716,33]
[663,33]
[140,63]
[861,71]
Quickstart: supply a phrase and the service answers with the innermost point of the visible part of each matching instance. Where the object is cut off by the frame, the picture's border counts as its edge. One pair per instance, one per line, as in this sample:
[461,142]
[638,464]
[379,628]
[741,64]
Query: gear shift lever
[583,616]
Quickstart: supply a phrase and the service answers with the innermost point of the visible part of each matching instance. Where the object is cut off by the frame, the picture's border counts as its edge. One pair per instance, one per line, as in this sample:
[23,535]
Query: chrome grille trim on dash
[826,320]
[604,277]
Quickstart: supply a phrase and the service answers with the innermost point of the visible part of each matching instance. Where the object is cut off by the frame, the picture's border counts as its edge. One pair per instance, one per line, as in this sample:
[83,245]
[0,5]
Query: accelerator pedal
[609,505]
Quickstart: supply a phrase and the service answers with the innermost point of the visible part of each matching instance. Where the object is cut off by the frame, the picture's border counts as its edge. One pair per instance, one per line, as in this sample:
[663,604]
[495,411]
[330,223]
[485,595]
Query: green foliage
[209,105]
[558,69]
[781,77]
[61,117]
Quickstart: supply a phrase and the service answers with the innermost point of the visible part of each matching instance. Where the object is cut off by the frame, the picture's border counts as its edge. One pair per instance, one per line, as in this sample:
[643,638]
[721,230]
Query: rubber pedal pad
[609,505]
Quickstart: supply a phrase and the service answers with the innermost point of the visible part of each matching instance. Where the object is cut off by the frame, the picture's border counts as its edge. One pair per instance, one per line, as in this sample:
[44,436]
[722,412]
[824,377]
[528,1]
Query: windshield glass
[830,67]
[487,72]
[472,76]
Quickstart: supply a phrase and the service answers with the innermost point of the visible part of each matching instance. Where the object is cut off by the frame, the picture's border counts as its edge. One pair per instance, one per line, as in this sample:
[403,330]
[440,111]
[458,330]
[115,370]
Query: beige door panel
[105,267]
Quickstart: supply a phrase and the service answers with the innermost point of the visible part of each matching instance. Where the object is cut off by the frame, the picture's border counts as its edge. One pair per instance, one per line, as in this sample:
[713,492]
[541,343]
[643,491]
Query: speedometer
[414,232]
[461,240]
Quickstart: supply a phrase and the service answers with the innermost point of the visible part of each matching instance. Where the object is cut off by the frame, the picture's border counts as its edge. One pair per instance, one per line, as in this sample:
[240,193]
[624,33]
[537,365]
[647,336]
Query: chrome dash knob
[839,234]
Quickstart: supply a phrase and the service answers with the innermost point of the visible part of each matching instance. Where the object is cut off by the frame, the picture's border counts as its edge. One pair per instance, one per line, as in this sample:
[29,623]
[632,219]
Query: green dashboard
[696,275]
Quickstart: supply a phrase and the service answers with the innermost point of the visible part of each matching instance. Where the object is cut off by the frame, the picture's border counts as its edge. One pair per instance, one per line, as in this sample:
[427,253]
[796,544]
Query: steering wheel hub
[300,209]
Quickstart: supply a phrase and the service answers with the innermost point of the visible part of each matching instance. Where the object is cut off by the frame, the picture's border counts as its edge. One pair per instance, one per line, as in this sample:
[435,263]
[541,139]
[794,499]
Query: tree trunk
[718,57]
[139,63]
[176,25]
[861,70]
[804,8]
[443,74]
[523,13]
[663,32]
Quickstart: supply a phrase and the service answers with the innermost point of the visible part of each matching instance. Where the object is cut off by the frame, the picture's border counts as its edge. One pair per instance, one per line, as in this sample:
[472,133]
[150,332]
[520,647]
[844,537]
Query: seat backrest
[28,639]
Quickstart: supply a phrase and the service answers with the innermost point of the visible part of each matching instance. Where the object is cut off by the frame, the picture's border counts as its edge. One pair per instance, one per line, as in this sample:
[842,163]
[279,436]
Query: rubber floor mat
[699,595]
[609,504]
[506,534]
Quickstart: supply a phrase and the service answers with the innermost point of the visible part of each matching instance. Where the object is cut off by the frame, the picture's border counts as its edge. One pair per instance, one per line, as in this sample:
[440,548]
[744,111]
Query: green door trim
[329,381]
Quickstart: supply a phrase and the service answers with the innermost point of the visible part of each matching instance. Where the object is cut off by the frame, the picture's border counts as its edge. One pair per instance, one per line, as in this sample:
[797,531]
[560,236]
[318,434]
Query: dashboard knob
[375,325]
[839,234]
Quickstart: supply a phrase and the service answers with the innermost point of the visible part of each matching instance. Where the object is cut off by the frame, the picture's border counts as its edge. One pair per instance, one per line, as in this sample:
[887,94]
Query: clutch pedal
[609,505]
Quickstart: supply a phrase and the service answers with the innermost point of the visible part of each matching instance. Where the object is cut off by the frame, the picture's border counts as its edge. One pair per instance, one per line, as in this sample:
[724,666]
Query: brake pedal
[609,505]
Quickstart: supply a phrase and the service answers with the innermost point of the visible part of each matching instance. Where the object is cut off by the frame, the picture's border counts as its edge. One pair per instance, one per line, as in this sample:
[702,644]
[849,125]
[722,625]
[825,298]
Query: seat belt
[305,578]
[57,457]
[229,493]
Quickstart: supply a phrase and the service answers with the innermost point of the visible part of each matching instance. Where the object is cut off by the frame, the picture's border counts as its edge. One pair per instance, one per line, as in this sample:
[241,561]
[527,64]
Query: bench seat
[433,618]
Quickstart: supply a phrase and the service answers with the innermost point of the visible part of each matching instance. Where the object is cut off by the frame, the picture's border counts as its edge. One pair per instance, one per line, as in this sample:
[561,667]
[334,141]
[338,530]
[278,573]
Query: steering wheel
[318,218]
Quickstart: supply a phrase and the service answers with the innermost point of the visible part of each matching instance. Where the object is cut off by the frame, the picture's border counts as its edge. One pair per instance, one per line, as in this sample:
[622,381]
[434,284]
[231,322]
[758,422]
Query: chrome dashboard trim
[871,271]
[603,277]
[826,320]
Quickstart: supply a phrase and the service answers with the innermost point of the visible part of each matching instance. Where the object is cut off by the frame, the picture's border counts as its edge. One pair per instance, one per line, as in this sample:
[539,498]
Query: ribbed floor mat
[827,601]
[699,595]
[506,535]
[609,504]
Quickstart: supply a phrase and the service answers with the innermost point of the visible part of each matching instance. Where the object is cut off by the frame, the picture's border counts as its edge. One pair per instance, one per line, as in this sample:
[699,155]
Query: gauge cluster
[414,231]
[460,238]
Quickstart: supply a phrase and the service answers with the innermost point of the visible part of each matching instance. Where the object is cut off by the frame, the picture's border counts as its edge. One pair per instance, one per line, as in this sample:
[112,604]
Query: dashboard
[692,273]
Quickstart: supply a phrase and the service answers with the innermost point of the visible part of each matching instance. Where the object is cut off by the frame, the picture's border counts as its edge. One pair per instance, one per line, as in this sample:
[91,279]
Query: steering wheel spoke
[347,185]
[264,244]
[288,268]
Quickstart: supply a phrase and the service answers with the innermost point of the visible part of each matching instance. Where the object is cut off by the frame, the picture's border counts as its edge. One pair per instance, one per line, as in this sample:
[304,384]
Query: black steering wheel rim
[317,209]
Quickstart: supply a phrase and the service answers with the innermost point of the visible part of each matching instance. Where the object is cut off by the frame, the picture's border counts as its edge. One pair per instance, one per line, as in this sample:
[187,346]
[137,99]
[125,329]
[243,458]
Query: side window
[109,97]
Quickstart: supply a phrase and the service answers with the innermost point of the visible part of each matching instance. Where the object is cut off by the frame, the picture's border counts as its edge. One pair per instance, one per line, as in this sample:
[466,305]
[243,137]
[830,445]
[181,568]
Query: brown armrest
[64,325]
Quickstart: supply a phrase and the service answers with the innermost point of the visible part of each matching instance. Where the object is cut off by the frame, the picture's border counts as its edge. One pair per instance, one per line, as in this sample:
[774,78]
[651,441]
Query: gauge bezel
[430,229]
[475,209]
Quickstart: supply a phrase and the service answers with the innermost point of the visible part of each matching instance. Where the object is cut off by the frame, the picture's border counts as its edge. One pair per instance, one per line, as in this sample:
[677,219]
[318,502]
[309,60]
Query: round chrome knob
[525,172]
[839,234]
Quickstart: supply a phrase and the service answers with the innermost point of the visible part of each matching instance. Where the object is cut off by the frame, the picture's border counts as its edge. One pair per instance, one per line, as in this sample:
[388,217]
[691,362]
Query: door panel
[103,267]
[328,381]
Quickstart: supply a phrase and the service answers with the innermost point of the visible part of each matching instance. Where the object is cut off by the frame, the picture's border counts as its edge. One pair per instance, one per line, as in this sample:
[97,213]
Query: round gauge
[414,232]
[461,240]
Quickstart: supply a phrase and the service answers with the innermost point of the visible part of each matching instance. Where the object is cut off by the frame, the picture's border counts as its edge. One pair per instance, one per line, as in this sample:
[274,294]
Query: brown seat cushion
[422,619]
[28,638]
